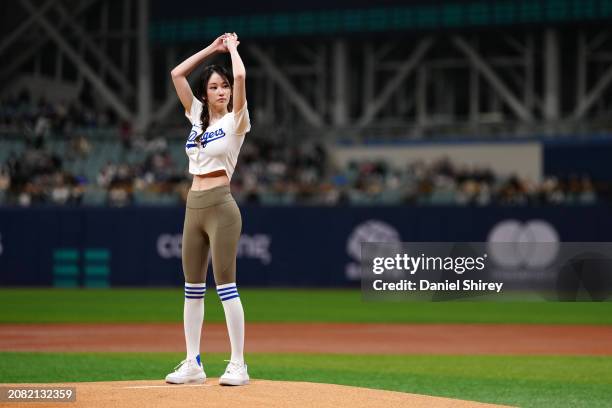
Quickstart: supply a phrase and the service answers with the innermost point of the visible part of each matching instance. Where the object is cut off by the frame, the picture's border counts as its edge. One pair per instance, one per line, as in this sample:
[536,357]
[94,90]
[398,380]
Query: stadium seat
[94,196]
[442,197]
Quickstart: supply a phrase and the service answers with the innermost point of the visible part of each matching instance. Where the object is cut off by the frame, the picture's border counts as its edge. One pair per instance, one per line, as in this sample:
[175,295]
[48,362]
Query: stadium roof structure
[408,68]
[193,21]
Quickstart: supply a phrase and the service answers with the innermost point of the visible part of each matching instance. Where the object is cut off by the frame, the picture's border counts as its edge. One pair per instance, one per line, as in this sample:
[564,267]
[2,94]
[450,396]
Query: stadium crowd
[269,172]
[40,118]
[275,173]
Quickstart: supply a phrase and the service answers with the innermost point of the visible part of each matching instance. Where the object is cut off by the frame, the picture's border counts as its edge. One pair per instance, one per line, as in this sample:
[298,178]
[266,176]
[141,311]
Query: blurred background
[389,121]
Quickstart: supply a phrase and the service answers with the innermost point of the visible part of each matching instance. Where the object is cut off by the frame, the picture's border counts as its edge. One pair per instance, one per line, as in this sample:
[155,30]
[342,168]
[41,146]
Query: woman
[220,120]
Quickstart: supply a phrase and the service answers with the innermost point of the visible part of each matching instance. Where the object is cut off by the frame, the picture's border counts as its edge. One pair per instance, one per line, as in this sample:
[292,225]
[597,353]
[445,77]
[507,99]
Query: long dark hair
[204,78]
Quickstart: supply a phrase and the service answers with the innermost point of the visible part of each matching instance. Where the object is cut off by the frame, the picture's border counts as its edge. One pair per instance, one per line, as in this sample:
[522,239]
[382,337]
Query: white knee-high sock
[193,316]
[234,317]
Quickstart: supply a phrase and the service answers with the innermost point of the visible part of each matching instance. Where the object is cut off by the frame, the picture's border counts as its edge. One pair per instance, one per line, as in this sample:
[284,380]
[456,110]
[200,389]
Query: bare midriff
[209,180]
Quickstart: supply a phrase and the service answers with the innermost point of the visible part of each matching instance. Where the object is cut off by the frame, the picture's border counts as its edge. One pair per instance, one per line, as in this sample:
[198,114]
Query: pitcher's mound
[259,393]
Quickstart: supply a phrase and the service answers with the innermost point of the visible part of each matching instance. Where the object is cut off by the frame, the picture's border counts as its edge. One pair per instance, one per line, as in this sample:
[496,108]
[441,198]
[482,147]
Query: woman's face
[218,92]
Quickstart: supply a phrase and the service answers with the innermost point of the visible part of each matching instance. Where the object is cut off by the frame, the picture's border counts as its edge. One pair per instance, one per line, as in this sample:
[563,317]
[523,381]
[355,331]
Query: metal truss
[89,36]
[490,83]
[495,81]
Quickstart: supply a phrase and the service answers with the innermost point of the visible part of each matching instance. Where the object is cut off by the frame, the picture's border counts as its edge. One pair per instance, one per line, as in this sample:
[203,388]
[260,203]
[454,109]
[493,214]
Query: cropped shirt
[219,144]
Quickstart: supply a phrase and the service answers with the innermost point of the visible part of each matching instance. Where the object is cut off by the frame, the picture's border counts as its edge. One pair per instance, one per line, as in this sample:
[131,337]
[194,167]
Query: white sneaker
[235,374]
[187,372]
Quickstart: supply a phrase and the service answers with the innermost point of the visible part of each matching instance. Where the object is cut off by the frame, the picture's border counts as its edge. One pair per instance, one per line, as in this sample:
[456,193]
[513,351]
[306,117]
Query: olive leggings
[212,221]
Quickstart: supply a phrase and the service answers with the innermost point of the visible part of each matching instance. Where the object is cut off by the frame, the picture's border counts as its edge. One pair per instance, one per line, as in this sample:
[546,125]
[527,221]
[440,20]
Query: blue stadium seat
[94,196]
[442,197]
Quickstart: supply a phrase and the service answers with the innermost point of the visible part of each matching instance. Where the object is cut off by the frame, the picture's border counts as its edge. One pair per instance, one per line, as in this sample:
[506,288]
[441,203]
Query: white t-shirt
[220,142]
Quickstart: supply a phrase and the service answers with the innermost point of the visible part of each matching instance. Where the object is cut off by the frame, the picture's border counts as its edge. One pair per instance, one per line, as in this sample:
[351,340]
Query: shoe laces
[182,364]
[233,365]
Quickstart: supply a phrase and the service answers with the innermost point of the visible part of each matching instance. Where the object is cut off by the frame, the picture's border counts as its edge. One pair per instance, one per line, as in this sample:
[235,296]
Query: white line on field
[171,386]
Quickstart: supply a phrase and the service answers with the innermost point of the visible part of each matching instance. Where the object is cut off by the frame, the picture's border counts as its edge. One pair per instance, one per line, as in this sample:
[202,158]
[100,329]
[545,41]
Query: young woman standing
[220,121]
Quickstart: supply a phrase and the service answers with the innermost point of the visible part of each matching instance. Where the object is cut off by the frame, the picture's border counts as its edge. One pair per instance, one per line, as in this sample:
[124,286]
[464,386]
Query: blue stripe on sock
[195,287]
[228,293]
[194,297]
[230,297]
[226,289]
[194,291]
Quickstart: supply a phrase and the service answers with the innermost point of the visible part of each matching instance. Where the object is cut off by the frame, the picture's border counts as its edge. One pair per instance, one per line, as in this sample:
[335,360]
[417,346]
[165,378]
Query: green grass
[279,305]
[526,381]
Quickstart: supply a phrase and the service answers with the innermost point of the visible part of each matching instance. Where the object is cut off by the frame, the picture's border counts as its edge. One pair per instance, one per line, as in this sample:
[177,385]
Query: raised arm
[180,72]
[238,71]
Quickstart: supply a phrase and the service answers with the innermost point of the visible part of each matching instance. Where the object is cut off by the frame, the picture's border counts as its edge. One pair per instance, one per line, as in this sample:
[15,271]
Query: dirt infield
[318,338]
[260,393]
